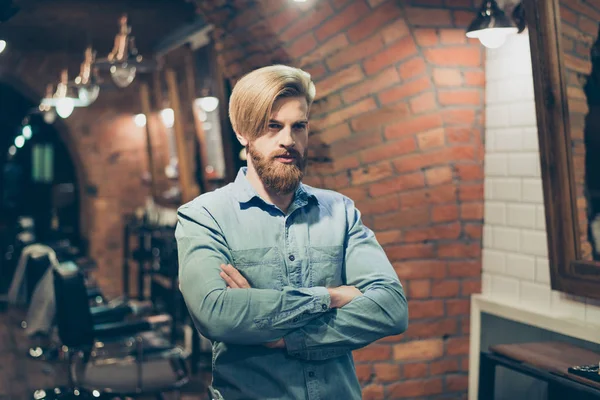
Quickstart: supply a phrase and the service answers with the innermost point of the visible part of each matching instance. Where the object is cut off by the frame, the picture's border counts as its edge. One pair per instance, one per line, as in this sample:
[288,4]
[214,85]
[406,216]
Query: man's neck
[282,201]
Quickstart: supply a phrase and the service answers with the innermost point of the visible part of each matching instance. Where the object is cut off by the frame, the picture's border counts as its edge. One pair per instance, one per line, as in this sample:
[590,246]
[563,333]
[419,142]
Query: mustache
[287,153]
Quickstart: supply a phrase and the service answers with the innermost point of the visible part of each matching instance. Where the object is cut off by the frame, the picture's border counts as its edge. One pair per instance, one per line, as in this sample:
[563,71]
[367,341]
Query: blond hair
[252,98]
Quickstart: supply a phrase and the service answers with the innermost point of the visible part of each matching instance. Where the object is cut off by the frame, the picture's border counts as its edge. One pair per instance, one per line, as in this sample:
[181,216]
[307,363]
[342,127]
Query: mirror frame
[569,273]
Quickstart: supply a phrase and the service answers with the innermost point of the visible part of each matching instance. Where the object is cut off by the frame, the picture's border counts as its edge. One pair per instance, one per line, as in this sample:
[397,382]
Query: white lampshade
[64,107]
[122,75]
[88,94]
[50,116]
[208,104]
[168,117]
[140,120]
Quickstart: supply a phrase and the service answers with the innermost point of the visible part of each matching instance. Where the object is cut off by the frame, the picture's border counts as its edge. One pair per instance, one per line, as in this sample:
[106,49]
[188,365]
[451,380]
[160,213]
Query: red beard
[279,177]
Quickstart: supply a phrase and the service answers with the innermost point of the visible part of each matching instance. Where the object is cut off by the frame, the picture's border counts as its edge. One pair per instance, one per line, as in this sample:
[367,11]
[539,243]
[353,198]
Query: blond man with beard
[283,278]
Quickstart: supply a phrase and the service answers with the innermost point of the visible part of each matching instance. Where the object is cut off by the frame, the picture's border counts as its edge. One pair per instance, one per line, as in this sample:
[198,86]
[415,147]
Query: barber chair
[110,360]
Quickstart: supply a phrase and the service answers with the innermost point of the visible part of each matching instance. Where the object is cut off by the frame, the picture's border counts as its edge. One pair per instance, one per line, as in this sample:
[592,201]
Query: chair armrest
[105,314]
[125,328]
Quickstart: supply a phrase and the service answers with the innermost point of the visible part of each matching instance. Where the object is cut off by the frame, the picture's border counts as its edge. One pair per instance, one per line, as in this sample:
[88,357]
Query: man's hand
[342,295]
[278,344]
[233,278]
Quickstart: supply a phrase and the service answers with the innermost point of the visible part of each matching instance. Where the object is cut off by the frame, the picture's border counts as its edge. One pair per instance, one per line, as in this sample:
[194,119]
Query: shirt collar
[244,192]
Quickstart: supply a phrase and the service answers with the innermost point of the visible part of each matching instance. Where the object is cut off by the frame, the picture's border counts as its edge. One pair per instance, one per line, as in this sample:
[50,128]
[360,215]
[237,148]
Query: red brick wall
[579,26]
[397,126]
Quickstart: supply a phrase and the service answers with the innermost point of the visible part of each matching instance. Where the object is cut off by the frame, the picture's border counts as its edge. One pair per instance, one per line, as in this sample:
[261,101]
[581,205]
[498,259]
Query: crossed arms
[307,319]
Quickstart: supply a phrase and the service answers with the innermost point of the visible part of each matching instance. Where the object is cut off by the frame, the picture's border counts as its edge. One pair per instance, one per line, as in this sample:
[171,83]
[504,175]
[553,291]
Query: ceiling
[68,26]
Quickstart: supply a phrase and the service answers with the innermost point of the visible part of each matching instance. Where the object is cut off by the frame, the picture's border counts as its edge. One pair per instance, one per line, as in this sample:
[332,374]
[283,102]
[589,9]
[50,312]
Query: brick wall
[515,254]
[107,149]
[397,126]
[579,26]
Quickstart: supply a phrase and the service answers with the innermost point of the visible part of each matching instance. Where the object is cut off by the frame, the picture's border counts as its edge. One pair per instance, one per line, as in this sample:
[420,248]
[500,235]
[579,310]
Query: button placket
[293,274]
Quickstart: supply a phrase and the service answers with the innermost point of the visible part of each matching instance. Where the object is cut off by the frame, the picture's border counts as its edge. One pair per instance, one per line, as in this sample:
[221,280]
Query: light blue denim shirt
[289,259]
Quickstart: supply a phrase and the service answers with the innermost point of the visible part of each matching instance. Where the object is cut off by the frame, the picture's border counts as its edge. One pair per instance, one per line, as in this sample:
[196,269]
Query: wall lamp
[492,26]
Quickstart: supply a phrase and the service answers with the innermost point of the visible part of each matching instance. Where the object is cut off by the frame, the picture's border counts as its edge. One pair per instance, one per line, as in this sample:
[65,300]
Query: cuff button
[324,306]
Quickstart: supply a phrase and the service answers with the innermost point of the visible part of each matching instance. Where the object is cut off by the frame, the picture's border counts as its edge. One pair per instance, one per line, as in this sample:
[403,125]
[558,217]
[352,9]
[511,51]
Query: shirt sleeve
[240,316]
[381,311]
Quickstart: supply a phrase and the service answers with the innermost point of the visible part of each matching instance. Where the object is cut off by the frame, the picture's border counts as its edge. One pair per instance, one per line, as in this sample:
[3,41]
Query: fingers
[228,280]
[233,278]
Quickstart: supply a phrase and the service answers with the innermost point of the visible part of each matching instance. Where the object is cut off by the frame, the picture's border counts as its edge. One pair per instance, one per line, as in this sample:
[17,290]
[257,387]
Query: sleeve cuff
[323,299]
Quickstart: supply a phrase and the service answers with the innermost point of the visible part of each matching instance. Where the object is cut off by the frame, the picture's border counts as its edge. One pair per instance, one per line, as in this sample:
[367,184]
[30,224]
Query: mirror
[565,48]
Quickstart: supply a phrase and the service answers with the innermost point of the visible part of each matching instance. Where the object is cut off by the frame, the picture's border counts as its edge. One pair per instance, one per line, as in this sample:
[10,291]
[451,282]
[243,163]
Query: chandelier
[124,61]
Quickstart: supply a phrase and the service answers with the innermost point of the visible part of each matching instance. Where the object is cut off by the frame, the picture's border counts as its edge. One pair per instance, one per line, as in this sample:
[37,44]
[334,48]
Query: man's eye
[274,126]
[300,126]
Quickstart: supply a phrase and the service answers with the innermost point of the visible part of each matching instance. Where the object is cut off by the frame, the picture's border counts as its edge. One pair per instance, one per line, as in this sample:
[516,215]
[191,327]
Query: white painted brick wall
[515,253]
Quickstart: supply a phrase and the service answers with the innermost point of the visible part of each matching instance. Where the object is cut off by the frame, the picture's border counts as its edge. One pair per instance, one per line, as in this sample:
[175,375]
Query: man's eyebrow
[301,121]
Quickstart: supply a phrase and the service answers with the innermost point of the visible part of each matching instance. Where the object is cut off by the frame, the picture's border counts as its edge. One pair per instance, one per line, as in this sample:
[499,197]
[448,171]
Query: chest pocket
[326,264]
[261,267]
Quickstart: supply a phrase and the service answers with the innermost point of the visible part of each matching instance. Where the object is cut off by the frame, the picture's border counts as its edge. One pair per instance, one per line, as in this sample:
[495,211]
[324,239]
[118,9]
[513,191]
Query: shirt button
[291,257]
[295,320]
[324,306]
[311,374]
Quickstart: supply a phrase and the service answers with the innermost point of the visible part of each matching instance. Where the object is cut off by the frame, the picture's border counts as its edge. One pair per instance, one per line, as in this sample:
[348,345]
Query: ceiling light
[50,116]
[140,120]
[19,141]
[12,150]
[65,107]
[123,74]
[86,83]
[491,26]
[168,117]
[123,61]
[208,104]
[2,45]
[27,132]
[64,96]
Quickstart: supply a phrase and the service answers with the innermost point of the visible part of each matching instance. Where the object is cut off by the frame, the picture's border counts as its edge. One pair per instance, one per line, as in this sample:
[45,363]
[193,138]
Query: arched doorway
[38,177]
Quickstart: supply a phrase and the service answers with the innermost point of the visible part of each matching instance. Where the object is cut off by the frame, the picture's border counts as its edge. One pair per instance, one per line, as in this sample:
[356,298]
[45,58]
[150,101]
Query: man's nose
[286,139]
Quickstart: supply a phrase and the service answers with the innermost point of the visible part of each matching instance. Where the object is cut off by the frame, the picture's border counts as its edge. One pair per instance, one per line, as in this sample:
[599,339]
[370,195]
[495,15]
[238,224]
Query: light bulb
[140,120]
[64,107]
[50,116]
[2,45]
[12,150]
[168,117]
[19,141]
[88,94]
[208,104]
[27,132]
[122,75]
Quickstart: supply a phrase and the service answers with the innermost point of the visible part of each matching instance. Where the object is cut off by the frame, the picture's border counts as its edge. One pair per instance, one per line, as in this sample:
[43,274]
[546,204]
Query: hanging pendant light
[65,99]
[124,62]
[86,83]
[46,107]
[491,26]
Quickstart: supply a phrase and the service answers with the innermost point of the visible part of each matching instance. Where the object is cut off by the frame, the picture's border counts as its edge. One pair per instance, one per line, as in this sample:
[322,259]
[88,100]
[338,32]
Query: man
[283,278]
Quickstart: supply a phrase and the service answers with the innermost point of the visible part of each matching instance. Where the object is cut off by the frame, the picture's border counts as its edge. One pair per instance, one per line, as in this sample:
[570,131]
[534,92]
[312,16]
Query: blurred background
[460,128]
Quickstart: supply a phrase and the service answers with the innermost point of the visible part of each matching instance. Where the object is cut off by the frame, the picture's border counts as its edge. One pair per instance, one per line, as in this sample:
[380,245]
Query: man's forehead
[290,109]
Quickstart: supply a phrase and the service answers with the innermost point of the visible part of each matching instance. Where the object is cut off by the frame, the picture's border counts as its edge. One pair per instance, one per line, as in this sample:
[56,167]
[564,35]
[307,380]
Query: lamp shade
[491,26]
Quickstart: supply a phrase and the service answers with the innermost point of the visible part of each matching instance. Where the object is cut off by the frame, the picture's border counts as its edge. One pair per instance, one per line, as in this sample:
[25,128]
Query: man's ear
[243,141]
